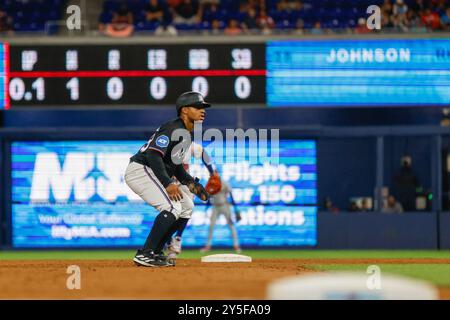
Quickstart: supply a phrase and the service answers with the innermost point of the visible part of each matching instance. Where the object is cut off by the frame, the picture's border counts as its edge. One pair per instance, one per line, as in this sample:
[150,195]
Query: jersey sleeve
[160,141]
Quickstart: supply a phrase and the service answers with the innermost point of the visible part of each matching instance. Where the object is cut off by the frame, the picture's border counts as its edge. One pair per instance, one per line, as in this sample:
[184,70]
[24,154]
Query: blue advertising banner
[358,73]
[73,194]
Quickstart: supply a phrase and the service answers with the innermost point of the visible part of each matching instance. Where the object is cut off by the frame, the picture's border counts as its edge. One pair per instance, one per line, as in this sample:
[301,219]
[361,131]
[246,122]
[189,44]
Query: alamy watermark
[374,280]
[251,146]
[73,281]
[374,20]
[73,21]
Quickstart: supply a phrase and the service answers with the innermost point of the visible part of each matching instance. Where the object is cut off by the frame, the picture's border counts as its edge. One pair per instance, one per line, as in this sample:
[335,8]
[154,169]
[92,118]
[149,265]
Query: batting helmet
[191,99]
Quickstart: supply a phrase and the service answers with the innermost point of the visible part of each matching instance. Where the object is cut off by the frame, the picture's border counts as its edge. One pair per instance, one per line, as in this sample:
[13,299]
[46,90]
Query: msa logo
[81,177]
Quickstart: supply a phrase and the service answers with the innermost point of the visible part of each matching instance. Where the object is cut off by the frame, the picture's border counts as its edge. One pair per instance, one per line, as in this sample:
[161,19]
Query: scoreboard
[275,73]
[45,75]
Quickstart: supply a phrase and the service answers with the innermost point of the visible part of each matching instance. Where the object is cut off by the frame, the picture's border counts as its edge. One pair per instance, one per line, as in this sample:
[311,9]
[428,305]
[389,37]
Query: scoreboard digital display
[358,73]
[55,75]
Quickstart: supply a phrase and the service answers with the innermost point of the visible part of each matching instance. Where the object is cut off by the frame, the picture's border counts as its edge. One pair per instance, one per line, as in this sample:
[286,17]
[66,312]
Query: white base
[228,257]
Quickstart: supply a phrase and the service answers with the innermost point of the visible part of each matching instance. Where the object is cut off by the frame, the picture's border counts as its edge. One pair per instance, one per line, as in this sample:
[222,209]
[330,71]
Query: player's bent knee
[176,209]
[187,208]
[187,214]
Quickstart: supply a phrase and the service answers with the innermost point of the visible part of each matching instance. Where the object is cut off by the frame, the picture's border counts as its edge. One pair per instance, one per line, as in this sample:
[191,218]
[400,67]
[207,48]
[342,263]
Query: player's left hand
[197,189]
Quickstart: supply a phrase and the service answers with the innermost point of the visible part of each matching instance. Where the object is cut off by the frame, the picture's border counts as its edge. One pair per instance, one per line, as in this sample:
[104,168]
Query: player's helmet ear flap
[191,99]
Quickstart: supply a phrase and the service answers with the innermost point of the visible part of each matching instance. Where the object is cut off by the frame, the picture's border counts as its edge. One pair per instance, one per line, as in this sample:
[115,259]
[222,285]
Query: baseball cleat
[150,260]
[172,258]
[169,259]
[175,245]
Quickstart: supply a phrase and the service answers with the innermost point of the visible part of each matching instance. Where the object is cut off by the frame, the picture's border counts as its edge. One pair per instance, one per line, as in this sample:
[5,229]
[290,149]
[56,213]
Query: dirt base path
[190,279]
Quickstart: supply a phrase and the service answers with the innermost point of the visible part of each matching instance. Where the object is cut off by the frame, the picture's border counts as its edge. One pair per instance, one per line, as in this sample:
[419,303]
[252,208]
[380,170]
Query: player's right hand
[174,192]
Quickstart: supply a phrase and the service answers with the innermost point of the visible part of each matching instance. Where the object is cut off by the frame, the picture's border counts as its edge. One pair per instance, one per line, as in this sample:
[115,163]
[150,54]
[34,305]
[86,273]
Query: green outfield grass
[438,274]
[256,254]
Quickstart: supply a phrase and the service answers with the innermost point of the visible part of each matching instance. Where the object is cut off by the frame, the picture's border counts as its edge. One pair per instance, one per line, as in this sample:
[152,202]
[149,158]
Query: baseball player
[198,152]
[221,205]
[151,172]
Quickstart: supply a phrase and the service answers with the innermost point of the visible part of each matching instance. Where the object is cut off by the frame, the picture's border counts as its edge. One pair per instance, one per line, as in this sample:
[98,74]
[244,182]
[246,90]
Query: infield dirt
[190,279]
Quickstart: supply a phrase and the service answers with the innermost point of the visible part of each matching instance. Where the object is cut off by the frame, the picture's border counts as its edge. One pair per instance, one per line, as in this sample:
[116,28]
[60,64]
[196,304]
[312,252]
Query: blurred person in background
[392,206]
[6,23]
[122,23]
[386,8]
[353,207]
[361,28]
[216,27]
[289,5]
[418,6]
[222,202]
[414,22]
[365,205]
[441,7]
[445,20]
[386,21]
[329,206]
[233,28]
[187,12]
[405,184]
[154,12]
[317,29]
[265,22]
[431,19]
[250,23]
[166,29]
[399,18]
[299,27]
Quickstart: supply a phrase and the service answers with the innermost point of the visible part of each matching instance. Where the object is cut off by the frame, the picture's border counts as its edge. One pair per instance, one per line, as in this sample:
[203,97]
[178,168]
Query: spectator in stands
[399,11]
[431,19]
[415,22]
[289,5]
[329,206]
[187,12]
[441,7]
[173,3]
[6,22]
[386,8]
[209,11]
[361,28]
[353,207]
[299,27]
[122,23]
[405,184]
[365,205]
[445,20]
[418,6]
[392,206]
[233,28]
[386,21]
[317,29]
[154,12]
[250,22]
[265,23]
[216,27]
[166,29]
